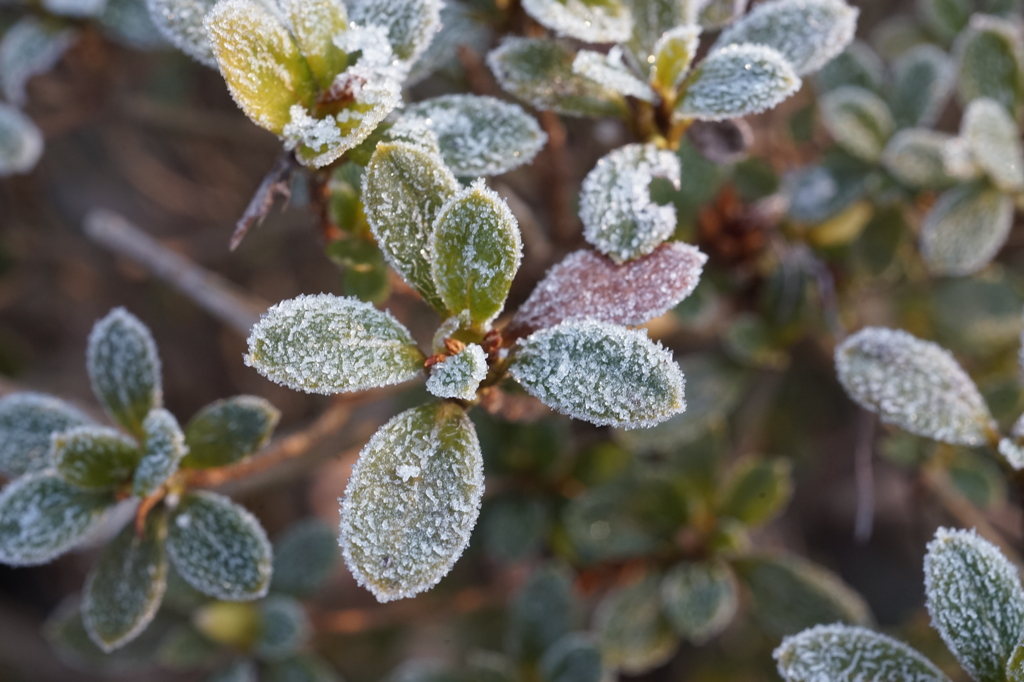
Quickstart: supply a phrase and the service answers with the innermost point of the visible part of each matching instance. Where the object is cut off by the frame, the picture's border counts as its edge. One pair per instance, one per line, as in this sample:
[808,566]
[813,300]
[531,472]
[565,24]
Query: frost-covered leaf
[479,135]
[474,251]
[592,21]
[515,527]
[586,285]
[459,375]
[328,344]
[652,18]
[994,140]
[410,24]
[808,33]
[822,191]
[124,368]
[219,548]
[913,384]
[789,594]
[923,79]
[959,162]
[857,65]
[228,623]
[575,657]
[21,142]
[965,229]
[974,596]
[94,457]
[756,489]
[227,431]
[128,22]
[858,120]
[845,653]
[990,55]
[916,157]
[181,23]
[42,516]
[635,635]
[185,648]
[163,448]
[542,613]
[673,55]
[736,81]
[619,217]
[945,18]
[301,668]
[717,14]
[609,70]
[125,587]
[29,48]
[539,72]
[601,373]
[314,24]
[699,599]
[404,188]
[27,422]
[283,627]
[460,25]
[74,8]
[412,501]
[304,558]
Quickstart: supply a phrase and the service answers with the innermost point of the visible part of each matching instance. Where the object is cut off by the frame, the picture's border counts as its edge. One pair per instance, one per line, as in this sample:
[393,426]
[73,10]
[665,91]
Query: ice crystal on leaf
[586,285]
[974,596]
[181,23]
[410,24]
[27,422]
[965,229]
[994,140]
[29,48]
[601,373]
[227,431]
[478,135]
[459,375]
[736,81]
[858,120]
[619,217]
[610,71]
[1012,447]
[21,142]
[847,653]
[412,501]
[808,33]
[916,157]
[163,449]
[652,19]
[327,344]
[990,57]
[317,26]
[592,21]
[913,384]
[94,457]
[673,55]
[923,77]
[635,635]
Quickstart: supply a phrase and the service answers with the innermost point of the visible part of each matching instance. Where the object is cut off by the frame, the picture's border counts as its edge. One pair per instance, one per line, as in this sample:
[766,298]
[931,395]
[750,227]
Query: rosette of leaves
[415,492]
[69,471]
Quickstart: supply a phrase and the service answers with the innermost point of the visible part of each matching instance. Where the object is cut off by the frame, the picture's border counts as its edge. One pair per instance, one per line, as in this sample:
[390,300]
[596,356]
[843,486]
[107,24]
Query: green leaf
[736,81]
[858,120]
[232,624]
[542,613]
[27,422]
[412,501]
[619,217]
[162,451]
[29,48]
[327,344]
[699,599]
[965,229]
[1015,666]
[304,557]
[313,24]
[181,23]
[844,653]
[601,373]
[539,72]
[219,548]
[790,593]
[916,158]
[857,65]
[652,19]
[635,635]
[127,584]
[185,648]
[808,33]
[990,55]
[821,191]
[227,431]
[573,658]
[478,135]
[411,24]
[241,670]
[125,368]
[673,55]
[515,527]
[974,596]
[94,457]
[302,668]
[42,517]
[756,490]
[404,188]
[610,70]
[717,14]
[592,21]
[475,250]
[945,18]
[459,376]
[283,627]
[913,384]
[923,78]
[994,140]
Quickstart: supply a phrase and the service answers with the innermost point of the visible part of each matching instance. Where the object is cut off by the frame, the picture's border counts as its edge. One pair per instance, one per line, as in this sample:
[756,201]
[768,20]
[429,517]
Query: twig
[219,297]
[865,477]
[276,183]
[348,621]
[481,82]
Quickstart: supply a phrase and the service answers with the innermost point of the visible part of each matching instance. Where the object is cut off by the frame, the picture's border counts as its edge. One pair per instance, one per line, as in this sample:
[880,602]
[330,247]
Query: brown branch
[276,183]
[481,82]
[865,477]
[557,185]
[349,621]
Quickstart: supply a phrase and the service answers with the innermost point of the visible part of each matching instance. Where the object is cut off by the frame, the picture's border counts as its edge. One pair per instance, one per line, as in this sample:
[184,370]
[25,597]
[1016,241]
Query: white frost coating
[601,373]
[736,81]
[181,23]
[603,21]
[848,653]
[965,229]
[29,48]
[459,375]
[989,40]
[913,384]
[410,25]
[162,451]
[916,157]
[477,135]
[448,328]
[974,596]
[699,599]
[808,33]
[93,456]
[673,56]
[619,217]
[923,77]
[328,344]
[994,140]
[858,120]
[21,142]
[611,72]
[27,422]
[1012,447]
[414,131]
[401,532]
[958,160]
